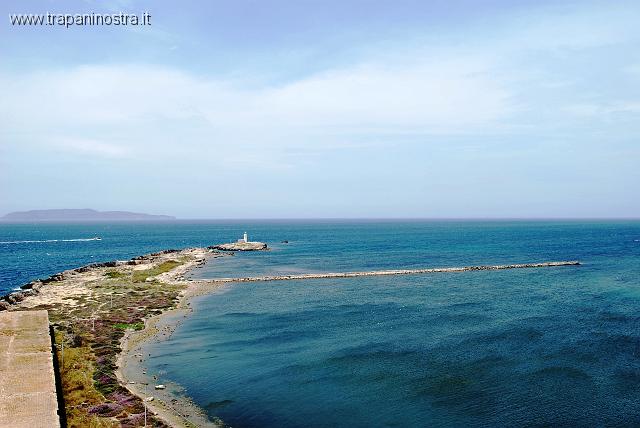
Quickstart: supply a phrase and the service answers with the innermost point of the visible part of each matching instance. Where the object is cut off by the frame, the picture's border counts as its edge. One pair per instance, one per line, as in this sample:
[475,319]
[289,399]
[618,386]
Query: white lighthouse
[244,239]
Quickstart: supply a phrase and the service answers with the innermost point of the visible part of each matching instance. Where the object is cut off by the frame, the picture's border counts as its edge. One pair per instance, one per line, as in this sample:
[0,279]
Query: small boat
[97,238]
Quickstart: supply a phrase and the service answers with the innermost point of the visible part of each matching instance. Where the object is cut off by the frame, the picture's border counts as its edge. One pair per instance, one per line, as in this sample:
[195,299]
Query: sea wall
[28,390]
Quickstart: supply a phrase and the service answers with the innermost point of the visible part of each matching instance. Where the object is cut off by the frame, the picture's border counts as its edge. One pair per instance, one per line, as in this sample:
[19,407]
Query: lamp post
[145,405]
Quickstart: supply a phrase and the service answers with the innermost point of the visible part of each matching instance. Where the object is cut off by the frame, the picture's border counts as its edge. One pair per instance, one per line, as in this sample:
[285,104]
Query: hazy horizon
[239,219]
[284,109]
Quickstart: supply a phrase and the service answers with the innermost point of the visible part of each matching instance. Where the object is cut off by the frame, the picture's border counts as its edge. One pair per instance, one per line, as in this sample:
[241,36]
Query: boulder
[27,286]
[27,293]
[54,278]
[15,297]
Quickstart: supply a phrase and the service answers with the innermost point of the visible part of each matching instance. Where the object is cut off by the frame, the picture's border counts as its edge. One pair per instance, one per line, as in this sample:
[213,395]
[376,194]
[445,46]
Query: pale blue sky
[325,109]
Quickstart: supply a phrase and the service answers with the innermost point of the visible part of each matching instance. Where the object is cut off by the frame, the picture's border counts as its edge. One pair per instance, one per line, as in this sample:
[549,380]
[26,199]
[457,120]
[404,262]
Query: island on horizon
[86,214]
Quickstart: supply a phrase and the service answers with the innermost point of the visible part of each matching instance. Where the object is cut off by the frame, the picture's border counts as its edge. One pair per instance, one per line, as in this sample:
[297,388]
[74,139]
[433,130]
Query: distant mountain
[80,215]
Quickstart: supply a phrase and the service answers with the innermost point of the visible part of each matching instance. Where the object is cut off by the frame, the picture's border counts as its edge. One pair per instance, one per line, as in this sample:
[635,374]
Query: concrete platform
[27,382]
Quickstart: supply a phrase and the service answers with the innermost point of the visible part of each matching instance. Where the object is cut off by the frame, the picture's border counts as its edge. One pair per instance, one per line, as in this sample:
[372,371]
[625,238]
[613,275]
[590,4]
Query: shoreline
[171,405]
[105,337]
[179,410]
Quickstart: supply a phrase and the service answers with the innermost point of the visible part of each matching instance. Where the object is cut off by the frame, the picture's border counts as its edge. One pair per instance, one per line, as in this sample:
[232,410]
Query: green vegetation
[134,326]
[114,274]
[142,275]
[77,385]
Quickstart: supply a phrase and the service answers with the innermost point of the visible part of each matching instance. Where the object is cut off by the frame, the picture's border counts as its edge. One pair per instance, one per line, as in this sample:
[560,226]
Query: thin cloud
[91,147]
[430,97]
[604,109]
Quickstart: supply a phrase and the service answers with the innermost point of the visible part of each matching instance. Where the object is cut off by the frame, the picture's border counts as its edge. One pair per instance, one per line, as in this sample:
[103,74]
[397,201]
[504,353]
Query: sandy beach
[170,404]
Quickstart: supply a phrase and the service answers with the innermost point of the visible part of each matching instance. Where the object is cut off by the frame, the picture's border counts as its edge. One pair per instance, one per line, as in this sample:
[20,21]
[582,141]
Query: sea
[527,347]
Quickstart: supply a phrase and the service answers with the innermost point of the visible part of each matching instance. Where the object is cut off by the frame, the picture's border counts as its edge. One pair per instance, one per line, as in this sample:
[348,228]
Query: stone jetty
[389,272]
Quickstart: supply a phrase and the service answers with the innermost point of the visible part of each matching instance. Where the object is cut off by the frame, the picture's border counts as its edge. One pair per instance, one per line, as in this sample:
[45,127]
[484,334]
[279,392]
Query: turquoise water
[537,347]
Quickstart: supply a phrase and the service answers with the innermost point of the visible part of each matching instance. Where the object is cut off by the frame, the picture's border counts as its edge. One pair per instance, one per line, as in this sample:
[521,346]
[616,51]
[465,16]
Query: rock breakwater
[390,272]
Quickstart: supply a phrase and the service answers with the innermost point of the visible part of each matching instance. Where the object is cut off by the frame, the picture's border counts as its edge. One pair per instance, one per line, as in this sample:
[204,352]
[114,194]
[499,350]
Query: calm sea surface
[531,347]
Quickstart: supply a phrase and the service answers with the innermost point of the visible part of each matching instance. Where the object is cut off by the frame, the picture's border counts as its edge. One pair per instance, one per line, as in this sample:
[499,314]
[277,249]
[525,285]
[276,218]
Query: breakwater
[388,272]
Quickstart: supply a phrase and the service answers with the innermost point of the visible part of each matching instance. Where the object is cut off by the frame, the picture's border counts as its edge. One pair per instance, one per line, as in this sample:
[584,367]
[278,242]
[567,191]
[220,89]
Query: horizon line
[234,219]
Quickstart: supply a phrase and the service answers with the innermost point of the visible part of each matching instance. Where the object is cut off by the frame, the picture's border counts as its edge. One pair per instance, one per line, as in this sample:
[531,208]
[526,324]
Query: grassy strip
[77,367]
[135,326]
[142,275]
[114,274]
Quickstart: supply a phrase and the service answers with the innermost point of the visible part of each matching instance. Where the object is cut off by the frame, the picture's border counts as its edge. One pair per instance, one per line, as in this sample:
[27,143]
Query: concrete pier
[27,383]
[388,272]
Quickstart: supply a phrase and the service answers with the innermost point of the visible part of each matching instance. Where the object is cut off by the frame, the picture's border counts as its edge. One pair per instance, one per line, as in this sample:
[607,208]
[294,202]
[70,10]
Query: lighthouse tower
[244,238]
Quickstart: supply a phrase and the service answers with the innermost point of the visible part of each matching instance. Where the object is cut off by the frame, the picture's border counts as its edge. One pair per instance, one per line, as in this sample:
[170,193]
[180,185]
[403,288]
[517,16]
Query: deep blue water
[533,347]
[21,262]
[539,347]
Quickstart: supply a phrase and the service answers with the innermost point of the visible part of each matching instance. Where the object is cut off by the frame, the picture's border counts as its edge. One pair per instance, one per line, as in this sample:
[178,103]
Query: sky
[325,109]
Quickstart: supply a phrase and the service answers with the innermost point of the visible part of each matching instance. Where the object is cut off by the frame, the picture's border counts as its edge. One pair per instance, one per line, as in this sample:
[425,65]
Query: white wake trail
[51,240]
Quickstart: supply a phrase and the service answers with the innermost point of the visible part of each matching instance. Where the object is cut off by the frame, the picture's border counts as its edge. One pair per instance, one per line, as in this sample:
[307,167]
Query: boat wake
[52,240]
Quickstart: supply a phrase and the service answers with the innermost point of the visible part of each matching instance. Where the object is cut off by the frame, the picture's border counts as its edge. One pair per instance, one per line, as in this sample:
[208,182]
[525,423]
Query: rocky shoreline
[33,288]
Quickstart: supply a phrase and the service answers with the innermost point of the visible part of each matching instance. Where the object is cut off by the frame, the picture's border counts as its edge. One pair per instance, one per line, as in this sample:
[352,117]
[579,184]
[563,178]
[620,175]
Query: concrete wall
[27,382]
